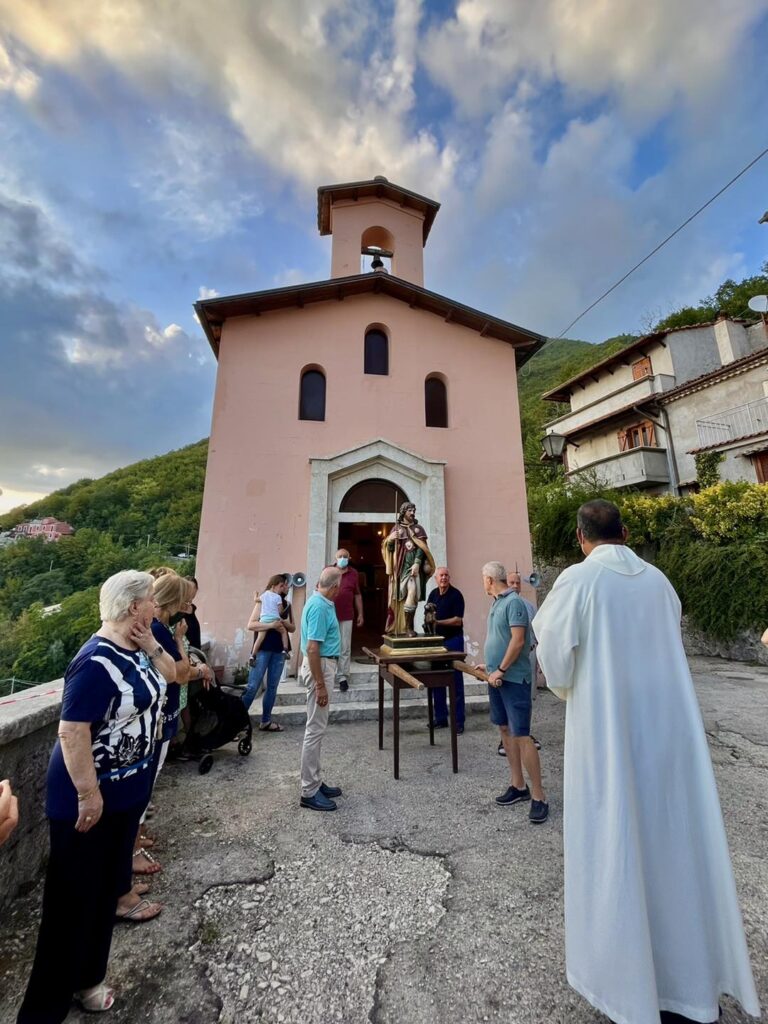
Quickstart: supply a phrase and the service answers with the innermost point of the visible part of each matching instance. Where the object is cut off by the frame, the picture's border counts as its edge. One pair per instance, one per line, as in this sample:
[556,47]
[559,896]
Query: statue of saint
[409,564]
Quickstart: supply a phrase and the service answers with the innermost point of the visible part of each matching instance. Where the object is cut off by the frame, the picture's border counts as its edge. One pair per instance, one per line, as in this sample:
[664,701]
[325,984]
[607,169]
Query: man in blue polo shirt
[321,647]
[508,666]
[449,624]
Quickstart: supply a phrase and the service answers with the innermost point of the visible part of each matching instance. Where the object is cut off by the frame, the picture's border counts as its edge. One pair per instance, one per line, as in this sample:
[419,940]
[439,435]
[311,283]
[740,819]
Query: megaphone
[534,579]
[297,579]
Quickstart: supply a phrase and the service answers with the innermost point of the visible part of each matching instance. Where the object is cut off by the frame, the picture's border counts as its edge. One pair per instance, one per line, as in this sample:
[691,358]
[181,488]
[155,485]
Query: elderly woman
[98,784]
[168,626]
[270,658]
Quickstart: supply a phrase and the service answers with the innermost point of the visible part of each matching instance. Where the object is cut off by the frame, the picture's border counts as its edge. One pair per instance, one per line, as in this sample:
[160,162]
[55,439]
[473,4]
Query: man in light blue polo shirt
[321,647]
[508,666]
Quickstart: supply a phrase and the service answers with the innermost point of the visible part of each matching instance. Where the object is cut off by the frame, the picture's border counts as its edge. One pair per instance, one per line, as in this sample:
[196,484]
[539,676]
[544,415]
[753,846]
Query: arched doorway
[366,514]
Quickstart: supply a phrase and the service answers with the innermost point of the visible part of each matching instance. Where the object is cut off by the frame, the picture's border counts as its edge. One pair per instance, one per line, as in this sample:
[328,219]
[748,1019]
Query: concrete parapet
[28,723]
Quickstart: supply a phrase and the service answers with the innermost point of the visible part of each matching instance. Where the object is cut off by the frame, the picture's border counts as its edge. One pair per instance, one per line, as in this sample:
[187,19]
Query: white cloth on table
[652,919]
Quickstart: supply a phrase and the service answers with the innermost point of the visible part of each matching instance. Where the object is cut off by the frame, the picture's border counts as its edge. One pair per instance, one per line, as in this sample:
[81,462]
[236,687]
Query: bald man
[449,604]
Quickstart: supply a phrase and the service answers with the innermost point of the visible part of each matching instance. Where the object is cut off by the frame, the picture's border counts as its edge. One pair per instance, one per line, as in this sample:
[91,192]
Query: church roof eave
[378,188]
[212,313]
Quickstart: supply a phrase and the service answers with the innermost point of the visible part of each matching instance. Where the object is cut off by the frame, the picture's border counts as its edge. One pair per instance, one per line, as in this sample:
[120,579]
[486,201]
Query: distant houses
[49,528]
[640,417]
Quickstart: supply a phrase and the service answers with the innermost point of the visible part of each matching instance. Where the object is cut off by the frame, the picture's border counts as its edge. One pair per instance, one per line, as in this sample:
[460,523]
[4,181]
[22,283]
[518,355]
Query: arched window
[435,402]
[312,395]
[376,352]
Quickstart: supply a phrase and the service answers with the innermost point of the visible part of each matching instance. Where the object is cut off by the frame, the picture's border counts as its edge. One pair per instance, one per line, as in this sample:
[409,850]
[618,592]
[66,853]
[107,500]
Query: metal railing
[13,685]
[740,421]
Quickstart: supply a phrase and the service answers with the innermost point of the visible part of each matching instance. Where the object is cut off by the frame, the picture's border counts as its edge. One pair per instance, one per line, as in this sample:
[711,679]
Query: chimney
[731,338]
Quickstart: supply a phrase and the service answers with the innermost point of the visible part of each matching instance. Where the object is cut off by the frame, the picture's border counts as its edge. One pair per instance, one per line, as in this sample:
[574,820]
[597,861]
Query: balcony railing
[740,421]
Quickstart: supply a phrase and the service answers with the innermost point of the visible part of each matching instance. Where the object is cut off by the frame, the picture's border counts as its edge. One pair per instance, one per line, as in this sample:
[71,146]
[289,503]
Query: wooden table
[407,670]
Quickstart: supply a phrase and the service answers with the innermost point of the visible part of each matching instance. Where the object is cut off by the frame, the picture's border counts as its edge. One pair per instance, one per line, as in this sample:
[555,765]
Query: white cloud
[648,56]
[281,72]
[15,78]
[207,293]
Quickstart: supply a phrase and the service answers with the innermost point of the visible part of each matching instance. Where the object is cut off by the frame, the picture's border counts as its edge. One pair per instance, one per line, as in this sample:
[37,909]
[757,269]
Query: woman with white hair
[99,778]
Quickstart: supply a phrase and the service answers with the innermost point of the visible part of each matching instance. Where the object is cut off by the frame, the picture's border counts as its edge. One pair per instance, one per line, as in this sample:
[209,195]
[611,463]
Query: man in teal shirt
[508,665]
[321,647]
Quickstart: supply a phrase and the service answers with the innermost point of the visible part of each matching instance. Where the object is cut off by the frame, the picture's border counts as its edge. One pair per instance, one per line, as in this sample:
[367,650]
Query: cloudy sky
[155,152]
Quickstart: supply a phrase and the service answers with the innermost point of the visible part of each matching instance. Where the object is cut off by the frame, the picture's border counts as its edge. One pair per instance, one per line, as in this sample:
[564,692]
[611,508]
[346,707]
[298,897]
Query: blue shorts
[510,705]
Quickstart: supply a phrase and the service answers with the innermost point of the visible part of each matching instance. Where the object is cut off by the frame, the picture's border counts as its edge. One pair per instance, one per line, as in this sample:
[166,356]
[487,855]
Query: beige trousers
[317,723]
[342,672]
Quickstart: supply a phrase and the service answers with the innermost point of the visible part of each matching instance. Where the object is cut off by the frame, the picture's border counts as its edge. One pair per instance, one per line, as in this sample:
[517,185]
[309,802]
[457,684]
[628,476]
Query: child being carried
[271,606]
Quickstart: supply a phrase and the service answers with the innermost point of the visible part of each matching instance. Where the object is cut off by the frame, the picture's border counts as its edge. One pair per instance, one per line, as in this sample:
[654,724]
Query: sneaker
[330,791]
[318,802]
[539,812]
[513,796]
[343,685]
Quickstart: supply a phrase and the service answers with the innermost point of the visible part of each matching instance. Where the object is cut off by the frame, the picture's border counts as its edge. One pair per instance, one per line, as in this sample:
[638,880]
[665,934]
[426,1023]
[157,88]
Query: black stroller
[217,718]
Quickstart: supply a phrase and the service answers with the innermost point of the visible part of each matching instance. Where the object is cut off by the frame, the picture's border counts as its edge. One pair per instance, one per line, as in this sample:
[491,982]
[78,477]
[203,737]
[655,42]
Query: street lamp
[553,445]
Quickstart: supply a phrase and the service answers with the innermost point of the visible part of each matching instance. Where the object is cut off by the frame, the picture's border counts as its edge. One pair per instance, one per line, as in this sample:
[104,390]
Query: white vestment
[652,919]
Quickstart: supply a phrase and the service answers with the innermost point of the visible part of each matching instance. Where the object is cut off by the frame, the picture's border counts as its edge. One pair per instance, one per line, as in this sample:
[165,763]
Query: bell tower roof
[376,188]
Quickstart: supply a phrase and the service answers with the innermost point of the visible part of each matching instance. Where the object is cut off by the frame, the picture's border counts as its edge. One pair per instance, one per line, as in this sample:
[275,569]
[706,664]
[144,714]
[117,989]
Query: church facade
[337,400]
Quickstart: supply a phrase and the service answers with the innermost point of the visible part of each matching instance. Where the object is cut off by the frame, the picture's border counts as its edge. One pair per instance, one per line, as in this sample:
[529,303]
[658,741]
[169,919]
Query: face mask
[342,562]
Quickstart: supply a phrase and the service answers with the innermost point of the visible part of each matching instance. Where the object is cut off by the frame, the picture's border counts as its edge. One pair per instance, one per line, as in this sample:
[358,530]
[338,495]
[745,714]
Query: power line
[667,239]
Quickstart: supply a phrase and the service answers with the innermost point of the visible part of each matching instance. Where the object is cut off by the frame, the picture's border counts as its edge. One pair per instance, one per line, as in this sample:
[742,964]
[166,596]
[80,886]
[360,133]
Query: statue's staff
[396,575]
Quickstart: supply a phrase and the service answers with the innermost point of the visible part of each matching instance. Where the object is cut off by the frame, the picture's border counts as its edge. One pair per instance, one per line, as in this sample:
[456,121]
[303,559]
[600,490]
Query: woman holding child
[271,623]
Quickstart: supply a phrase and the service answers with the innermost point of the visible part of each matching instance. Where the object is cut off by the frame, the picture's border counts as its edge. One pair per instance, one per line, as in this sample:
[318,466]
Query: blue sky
[152,154]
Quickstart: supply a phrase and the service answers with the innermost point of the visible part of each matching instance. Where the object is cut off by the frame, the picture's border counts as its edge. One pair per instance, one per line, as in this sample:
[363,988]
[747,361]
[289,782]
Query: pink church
[337,400]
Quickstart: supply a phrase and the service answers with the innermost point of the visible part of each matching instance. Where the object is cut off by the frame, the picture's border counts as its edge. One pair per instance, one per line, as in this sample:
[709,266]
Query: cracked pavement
[417,902]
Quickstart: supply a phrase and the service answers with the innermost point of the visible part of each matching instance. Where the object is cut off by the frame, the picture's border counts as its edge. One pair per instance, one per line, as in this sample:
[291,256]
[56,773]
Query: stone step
[291,694]
[356,711]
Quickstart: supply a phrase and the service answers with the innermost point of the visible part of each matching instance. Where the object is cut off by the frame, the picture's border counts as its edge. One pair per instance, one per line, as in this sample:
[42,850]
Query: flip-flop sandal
[271,727]
[147,842]
[132,915]
[97,1001]
[153,867]
[141,888]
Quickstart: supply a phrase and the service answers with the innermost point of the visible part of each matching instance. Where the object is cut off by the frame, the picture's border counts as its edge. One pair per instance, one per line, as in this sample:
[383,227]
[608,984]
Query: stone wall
[28,724]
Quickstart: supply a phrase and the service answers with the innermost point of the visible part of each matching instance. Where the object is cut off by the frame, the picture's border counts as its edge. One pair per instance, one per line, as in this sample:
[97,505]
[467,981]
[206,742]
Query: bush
[721,586]
[731,511]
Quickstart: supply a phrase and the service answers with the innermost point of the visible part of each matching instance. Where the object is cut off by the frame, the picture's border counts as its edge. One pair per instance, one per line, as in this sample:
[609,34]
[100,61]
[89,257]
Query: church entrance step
[357,710]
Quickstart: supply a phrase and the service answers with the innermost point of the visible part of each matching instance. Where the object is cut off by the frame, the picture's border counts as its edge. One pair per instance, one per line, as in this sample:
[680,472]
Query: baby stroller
[217,718]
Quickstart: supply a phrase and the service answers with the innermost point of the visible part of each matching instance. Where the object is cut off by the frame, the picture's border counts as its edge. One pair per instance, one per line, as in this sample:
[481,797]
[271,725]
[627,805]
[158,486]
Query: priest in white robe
[652,921]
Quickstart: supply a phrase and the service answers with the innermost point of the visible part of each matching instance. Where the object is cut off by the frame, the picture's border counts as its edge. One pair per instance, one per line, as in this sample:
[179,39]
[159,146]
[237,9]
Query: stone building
[338,399]
[639,417]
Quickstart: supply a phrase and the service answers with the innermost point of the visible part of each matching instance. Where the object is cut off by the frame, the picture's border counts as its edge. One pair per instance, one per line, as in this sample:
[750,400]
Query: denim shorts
[510,705]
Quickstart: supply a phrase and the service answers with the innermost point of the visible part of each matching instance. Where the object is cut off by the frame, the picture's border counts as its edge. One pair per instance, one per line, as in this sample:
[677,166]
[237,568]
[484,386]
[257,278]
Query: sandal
[147,842]
[96,1000]
[152,867]
[140,913]
[271,727]
[141,888]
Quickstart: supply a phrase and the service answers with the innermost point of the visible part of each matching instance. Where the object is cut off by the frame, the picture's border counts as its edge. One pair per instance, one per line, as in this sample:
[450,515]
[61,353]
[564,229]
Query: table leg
[396,725]
[431,714]
[454,743]
[381,711]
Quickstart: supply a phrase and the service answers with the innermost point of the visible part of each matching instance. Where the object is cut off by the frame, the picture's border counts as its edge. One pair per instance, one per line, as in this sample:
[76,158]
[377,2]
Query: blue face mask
[342,562]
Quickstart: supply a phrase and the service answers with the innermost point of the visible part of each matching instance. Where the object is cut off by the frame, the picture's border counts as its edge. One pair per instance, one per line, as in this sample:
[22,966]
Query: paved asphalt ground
[417,902]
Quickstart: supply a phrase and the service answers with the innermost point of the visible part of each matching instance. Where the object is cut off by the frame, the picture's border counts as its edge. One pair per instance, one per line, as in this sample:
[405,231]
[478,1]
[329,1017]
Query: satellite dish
[759,303]
[298,580]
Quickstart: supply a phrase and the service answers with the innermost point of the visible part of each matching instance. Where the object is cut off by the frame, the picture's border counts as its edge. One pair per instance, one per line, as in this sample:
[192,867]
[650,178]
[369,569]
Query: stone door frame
[423,480]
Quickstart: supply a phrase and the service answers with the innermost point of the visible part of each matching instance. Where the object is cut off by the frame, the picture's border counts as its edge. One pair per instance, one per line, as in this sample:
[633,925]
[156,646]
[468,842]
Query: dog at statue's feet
[430,618]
